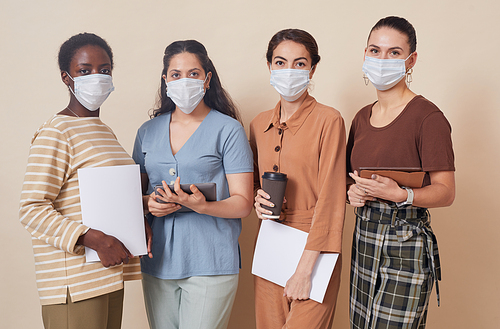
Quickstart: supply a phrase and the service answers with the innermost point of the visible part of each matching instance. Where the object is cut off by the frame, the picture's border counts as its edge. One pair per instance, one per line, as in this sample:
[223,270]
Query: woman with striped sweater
[73,293]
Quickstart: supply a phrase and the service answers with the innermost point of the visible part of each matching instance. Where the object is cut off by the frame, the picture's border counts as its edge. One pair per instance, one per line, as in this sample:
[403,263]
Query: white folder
[277,254]
[111,202]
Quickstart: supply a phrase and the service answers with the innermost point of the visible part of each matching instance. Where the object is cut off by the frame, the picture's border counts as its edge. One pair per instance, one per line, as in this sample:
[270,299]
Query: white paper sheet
[277,254]
[111,201]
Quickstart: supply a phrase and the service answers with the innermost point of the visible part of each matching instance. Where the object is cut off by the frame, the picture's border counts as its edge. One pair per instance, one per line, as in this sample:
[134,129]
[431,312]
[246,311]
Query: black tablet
[207,189]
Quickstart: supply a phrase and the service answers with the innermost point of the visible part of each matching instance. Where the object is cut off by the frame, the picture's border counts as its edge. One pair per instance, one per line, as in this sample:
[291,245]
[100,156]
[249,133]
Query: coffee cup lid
[274,175]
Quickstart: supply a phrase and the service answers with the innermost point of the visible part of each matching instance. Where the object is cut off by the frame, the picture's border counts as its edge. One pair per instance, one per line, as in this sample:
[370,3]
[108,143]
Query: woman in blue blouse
[193,137]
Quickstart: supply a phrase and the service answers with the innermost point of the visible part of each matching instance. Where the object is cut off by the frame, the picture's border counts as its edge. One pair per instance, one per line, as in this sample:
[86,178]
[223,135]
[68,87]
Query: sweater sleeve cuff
[74,248]
[326,241]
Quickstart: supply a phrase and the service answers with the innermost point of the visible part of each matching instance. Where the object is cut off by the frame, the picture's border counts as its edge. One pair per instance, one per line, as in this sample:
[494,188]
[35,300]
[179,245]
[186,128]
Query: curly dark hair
[71,46]
[215,97]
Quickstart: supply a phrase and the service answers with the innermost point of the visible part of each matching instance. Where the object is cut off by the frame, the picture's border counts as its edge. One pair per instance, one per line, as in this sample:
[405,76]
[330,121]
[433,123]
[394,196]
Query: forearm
[440,193]
[145,200]
[433,196]
[236,206]
[307,262]
[45,223]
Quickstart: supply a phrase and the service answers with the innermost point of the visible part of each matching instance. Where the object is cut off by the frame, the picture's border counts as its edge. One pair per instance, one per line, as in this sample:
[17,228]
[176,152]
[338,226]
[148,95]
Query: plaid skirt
[395,263]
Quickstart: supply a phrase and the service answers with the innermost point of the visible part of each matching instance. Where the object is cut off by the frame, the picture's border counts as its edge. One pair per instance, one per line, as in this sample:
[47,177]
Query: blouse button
[275,168]
[172,172]
[277,149]
[172,182]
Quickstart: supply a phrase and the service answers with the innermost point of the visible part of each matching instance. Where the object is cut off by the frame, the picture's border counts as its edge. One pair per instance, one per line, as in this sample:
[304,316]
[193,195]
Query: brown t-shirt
[419,137]
[310,148]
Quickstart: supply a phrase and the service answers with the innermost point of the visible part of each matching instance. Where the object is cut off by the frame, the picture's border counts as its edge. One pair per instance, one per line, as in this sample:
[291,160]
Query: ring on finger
[365,191]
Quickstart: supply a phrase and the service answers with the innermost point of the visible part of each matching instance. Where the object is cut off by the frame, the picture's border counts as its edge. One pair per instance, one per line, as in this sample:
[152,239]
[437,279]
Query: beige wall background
[457,69]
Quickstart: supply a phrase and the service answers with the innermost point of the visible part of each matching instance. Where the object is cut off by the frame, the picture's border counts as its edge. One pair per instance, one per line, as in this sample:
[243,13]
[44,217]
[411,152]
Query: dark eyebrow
[282,58]
[178,71]
[296,59]
[300,59]
[392,48]
[100,65]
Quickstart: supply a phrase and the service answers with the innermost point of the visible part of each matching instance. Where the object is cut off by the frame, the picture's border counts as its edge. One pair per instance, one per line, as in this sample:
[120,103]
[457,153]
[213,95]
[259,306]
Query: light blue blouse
[191,244]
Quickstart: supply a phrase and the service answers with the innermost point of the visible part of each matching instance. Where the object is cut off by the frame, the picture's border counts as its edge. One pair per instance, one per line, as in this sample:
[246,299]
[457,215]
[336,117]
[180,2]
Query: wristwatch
[409,199]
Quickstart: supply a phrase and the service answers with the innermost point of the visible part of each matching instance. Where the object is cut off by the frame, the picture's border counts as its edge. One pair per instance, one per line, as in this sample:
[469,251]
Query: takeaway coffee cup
[274,184]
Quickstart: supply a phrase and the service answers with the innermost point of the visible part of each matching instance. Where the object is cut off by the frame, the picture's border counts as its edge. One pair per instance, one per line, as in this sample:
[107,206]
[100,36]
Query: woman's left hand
[195,201]
[378,187]
[149,237]
[298,287]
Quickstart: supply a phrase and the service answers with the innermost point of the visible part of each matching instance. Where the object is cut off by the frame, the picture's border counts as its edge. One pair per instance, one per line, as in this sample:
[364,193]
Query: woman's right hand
[262,198]
[161,209]
[358,197]
[110,250]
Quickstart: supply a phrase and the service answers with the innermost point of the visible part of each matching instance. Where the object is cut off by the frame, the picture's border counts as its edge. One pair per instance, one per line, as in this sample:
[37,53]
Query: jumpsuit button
[172,182]
[275,168]
[171,171]
[277,149]
[280,131]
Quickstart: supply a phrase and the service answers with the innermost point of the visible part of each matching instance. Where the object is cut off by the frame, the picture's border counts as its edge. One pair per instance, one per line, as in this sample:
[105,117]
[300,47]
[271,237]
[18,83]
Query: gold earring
[409,78]
[366,79]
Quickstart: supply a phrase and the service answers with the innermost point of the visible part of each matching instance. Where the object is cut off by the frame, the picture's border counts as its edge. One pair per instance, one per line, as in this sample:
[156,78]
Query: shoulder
[424,106]
[427,112]
[327,112]
[154,123]
[364,112]
[262,119]
[223,120]
[56,125]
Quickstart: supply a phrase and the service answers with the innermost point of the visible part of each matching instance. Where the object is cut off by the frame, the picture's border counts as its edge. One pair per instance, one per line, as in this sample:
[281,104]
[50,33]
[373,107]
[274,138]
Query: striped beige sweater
[50,208]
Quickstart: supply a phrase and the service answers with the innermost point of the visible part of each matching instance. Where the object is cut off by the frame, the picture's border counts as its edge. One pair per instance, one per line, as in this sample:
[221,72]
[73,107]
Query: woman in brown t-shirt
[306,141]
[395,261]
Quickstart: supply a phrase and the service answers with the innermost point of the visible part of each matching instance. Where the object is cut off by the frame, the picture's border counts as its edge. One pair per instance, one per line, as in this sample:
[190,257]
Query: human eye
[194,74]
[279,63]
[300,65]
[83,71]
[175,75]
[395,53]
[106,71]
[373,51]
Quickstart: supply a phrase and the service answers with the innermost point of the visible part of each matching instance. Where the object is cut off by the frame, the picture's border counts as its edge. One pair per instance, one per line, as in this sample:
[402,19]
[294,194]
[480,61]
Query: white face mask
[384,73]
[290,83]
[92,90]
[186,93]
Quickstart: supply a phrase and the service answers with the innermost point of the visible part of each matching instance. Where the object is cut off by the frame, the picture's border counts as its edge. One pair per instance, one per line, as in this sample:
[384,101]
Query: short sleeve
[237,155]
[137,153]
[436,148]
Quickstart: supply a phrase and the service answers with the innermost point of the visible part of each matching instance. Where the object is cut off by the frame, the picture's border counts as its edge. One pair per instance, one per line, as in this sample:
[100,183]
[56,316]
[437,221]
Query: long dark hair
[215,96]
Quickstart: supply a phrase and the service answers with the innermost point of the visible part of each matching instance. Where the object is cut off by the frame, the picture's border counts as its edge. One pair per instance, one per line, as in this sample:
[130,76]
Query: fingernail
[272,205]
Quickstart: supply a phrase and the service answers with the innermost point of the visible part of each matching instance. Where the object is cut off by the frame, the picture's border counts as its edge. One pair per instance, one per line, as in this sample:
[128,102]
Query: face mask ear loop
[409,78]
[69,85]
[206,78]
